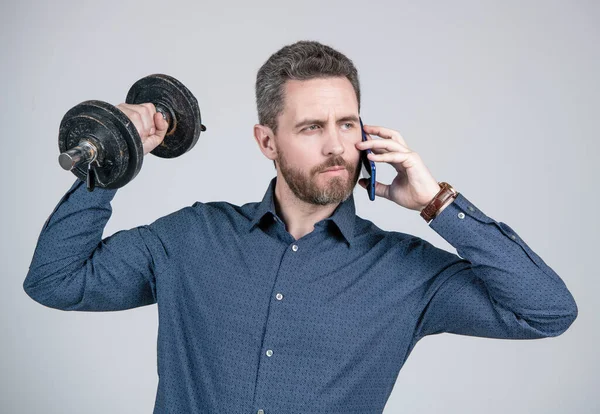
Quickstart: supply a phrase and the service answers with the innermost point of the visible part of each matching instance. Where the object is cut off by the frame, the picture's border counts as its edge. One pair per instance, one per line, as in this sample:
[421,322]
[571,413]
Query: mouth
[332,169]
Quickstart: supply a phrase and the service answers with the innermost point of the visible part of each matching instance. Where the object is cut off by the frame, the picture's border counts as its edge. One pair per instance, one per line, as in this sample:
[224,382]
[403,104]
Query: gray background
[499,98]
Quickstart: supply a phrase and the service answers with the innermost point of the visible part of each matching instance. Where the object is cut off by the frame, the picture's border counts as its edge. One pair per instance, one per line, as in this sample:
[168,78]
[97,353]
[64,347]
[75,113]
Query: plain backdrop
[500,99]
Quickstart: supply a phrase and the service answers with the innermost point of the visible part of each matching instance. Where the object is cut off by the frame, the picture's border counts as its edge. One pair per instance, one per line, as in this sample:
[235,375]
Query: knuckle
[150,107]
[143,111]
[145,108]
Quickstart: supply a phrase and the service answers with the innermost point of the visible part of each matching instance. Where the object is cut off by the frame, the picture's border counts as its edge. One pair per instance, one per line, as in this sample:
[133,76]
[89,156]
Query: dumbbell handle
[84,152]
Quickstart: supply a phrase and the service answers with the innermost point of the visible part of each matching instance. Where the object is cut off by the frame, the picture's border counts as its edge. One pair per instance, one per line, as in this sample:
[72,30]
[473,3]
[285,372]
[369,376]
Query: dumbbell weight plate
[120,151]
[185,126]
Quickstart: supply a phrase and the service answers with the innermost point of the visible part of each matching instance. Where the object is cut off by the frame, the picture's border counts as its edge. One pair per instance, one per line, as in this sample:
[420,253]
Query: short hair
[302,60]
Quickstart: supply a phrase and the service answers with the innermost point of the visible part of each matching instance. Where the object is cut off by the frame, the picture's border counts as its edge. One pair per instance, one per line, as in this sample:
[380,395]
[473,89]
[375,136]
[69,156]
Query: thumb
[381,190]
[161,125]
[154,140]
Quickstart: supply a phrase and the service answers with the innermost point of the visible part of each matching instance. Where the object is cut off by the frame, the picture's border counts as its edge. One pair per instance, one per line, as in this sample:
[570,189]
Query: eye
[349,123]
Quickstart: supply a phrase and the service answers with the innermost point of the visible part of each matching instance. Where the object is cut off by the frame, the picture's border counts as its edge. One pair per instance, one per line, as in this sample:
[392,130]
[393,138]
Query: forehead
[303,97]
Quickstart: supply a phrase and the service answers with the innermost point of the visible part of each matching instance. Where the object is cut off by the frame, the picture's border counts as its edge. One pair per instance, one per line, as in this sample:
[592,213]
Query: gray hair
[302,60]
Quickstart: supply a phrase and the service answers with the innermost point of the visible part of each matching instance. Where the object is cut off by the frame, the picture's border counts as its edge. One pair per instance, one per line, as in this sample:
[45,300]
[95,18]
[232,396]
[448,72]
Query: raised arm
[73,268]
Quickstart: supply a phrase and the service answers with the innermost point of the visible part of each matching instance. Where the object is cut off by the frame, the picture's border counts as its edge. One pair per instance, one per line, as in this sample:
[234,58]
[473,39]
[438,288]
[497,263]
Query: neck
[299,216]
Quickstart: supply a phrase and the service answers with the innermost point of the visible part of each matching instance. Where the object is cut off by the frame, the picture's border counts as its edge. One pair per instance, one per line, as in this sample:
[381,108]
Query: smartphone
[368,166]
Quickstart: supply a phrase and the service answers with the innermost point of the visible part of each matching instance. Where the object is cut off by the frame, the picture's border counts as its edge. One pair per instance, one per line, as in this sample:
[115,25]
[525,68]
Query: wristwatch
[431,210]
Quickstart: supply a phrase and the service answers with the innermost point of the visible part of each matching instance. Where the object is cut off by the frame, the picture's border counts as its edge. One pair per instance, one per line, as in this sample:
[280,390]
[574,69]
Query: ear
[265,139]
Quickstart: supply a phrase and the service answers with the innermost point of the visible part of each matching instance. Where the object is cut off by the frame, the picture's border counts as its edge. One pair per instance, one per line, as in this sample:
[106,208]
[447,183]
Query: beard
[305,186]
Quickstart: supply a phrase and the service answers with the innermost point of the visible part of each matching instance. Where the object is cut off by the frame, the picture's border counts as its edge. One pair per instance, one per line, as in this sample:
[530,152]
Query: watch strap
[431,210]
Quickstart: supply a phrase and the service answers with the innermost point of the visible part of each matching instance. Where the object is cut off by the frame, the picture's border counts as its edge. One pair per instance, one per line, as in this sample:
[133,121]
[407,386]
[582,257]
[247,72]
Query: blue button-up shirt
[253,321]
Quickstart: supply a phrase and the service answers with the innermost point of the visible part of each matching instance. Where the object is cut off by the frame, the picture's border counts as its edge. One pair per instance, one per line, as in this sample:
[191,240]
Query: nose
[333,144]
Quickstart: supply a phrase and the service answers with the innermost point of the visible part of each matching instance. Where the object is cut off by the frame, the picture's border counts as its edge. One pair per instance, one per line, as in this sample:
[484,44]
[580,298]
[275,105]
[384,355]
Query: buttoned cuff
[459,208]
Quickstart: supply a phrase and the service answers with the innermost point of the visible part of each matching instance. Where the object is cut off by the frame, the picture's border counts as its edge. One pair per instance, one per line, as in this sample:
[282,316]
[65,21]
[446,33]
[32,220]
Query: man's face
[318,130]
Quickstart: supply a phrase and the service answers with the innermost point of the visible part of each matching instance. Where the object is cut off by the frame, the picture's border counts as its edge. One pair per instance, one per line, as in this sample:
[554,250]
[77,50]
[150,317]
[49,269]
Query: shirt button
[513,237]
[461,215]
[279,296]
[295,248]
[260,412]
[269,352]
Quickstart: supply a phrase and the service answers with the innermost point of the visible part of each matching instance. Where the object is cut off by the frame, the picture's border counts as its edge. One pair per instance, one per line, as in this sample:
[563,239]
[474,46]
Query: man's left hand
[414,186]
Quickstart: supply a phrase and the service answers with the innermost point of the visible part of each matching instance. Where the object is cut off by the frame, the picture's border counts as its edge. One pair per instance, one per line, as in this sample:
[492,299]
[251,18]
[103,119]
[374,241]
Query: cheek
[304,157]
[354,157]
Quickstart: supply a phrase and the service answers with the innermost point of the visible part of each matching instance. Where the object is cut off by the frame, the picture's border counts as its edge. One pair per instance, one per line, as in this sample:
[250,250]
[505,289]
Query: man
[295,304]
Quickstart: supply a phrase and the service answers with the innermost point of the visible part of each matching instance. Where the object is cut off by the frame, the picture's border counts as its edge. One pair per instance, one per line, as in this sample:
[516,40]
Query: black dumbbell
[100,144]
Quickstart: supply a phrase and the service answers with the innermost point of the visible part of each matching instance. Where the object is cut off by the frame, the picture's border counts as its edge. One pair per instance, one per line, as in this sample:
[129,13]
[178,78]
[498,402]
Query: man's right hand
[150,124]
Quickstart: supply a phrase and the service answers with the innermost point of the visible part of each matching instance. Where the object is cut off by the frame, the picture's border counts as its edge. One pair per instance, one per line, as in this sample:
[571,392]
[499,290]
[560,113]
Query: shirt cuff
[460,205]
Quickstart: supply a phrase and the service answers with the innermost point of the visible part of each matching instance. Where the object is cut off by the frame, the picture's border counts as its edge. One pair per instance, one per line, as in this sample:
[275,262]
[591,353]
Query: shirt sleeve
[497,286]
[73,268]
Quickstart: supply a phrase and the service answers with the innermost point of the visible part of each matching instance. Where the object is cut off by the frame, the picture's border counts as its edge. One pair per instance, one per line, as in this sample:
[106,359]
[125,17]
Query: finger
[364,145]
[151,142]
[147,117]
[381,190]
[384,133]
[401,161]
[390,157]
[143,112]
[373,149]
[151,111]
[382,146]
[134,117]
[161,125]
[369,139]
[379,150]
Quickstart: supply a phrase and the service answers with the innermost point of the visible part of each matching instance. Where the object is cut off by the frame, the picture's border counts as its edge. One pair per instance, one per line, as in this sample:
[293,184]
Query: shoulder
[223,211]
[200,219]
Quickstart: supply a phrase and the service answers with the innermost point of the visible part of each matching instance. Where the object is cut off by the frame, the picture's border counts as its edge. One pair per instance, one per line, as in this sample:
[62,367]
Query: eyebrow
[322,122]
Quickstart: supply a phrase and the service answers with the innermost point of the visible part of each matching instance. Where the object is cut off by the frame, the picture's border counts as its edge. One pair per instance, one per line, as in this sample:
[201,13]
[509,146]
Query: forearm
[515,277]
[68,238]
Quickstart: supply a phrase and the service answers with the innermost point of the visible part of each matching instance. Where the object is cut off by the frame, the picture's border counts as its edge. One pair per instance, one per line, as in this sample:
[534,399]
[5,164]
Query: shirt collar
[343,215]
